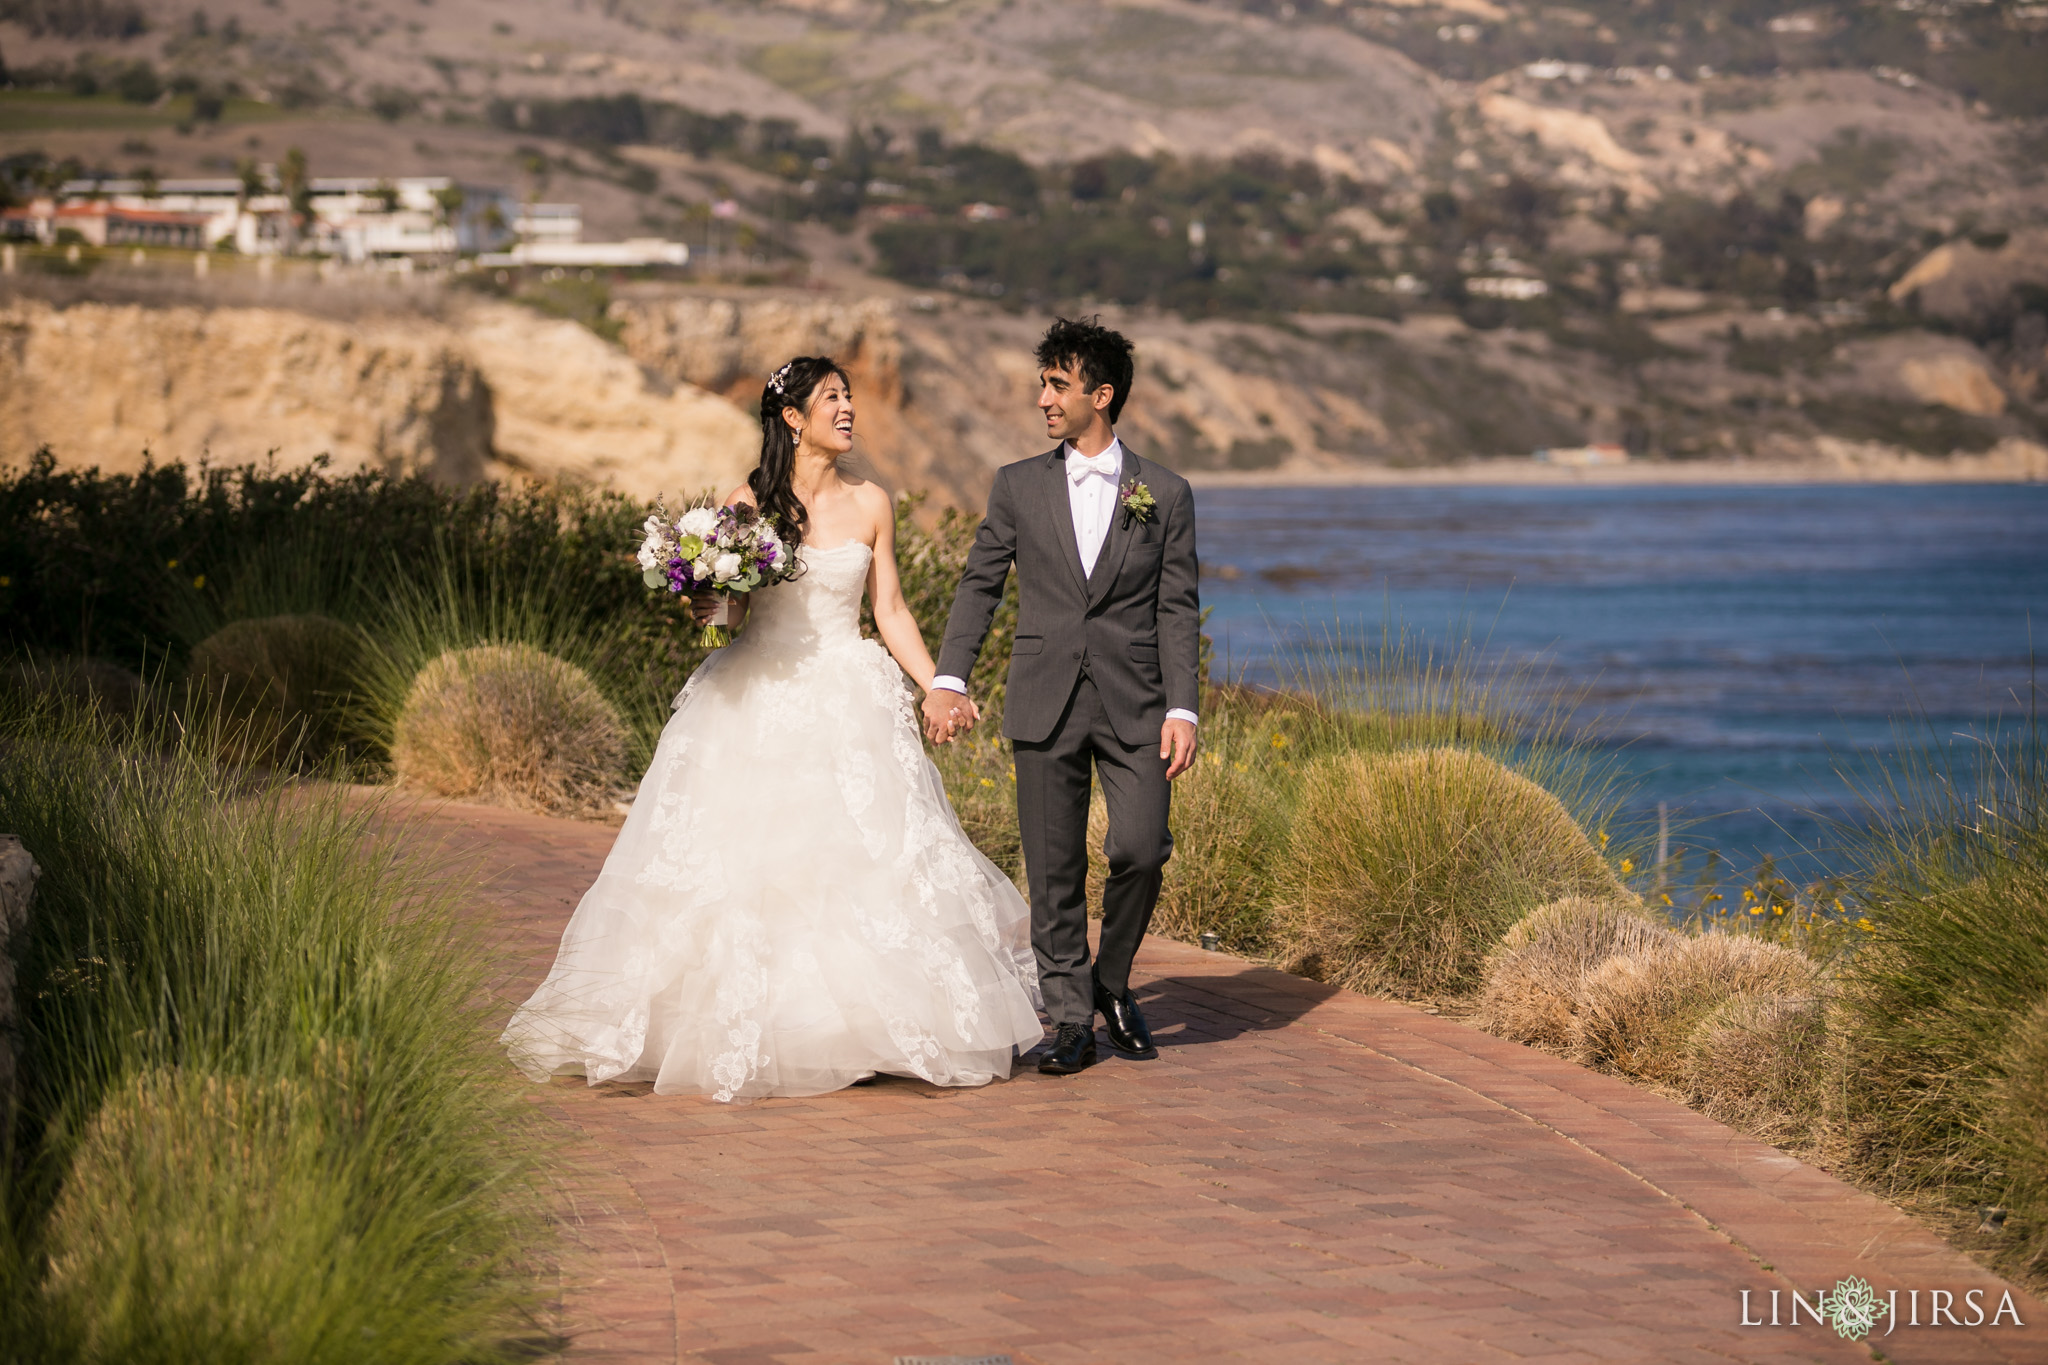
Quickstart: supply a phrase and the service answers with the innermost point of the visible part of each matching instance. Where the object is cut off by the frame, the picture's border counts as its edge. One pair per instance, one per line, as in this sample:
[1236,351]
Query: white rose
[701,570]
[726,567]
[699,521]
[648,558]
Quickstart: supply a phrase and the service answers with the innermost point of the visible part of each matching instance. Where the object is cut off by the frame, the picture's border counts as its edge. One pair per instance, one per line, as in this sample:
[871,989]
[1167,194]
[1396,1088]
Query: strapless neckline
[833,549]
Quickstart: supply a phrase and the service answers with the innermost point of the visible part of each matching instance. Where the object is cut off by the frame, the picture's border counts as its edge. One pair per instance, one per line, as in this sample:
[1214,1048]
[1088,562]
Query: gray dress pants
[1052,815]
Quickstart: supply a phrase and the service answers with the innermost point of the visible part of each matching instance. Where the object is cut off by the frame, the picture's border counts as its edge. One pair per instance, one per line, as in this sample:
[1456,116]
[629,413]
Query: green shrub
[1536,976]
[1638,1012]
[260,1117]
[1403,871]
[510,724]
[285,683]
[82,684]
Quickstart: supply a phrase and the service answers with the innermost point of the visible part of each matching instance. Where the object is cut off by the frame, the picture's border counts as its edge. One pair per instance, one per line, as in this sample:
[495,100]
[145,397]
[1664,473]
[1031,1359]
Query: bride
[791,906]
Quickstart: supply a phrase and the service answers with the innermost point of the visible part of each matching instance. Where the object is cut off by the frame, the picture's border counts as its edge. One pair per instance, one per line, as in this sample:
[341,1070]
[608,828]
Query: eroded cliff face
[494,391]
[112,384]
[947,393]
[573,408]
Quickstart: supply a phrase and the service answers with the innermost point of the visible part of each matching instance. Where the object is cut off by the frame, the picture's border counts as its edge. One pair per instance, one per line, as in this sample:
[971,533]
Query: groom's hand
[1177,746]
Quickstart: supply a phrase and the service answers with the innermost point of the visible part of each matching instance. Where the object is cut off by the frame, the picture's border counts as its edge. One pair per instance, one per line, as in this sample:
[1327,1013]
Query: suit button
[1077,653]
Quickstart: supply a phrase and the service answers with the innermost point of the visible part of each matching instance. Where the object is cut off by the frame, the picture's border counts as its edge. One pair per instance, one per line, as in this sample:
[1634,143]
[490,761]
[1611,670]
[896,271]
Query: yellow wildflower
[1863,923]
[199,582]
[1665,897]
[1603,838]
[1627,866]
[987,782]
[1279,741]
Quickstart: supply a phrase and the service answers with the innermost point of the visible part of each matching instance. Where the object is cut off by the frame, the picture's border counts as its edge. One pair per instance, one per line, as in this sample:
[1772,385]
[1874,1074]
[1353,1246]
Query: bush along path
[1305,1174]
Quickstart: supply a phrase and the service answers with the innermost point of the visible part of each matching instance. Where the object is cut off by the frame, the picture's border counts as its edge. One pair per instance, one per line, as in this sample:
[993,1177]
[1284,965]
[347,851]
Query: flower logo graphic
[1853,1308]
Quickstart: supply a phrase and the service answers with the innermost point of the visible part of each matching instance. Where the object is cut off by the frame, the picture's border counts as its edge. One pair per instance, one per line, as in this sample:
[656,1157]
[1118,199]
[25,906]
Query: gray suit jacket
[1136,620]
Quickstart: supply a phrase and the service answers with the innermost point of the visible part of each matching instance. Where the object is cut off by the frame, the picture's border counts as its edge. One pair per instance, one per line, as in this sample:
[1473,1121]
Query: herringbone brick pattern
[1303,1176]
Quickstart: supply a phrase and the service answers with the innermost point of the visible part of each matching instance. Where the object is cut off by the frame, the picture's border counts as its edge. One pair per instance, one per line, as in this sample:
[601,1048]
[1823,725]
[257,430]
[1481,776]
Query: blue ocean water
[1733,646]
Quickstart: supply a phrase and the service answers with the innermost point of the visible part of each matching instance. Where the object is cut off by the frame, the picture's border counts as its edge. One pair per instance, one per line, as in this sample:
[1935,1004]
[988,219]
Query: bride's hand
[703,605]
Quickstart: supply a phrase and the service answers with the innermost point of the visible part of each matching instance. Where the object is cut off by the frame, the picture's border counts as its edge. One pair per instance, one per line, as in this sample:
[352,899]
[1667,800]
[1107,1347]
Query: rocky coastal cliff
[495,391]
[474,388]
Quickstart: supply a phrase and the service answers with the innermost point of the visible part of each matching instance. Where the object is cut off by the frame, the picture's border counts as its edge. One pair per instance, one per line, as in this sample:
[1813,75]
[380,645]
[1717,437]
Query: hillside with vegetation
[1349,234]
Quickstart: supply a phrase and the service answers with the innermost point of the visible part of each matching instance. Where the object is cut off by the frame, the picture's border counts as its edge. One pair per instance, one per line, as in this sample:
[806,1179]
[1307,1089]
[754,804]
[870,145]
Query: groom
[1102,676]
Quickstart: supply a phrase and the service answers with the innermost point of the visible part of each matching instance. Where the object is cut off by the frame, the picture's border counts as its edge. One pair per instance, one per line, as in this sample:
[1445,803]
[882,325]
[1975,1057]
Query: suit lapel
[1110,562]
[1061,516]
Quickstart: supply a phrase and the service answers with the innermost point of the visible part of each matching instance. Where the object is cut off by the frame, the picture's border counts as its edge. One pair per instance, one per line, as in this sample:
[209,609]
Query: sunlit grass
[260,1119]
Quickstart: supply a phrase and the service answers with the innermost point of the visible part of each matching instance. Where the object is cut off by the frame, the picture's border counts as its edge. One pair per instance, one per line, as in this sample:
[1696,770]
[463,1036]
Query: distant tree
[252,182]
[296,181]
[448,204]
[392,103]
[208,106]
[138,83]
[386,195]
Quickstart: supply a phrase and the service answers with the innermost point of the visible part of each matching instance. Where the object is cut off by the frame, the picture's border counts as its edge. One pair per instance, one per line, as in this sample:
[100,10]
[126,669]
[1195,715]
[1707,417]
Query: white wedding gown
[791,905]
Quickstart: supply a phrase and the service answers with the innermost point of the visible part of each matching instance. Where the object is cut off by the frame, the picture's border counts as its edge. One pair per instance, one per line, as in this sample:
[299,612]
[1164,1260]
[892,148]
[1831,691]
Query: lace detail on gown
[791,904]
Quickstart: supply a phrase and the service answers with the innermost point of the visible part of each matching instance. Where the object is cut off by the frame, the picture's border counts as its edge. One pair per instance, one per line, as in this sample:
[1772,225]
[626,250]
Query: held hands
[947,713]
[1177,746]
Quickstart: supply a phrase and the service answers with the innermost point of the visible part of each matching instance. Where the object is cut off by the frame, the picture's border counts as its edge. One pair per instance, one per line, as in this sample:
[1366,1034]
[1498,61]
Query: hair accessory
[779,381]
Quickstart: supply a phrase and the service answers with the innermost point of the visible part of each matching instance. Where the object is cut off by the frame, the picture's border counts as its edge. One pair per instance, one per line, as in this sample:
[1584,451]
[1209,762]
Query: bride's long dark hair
[774,478]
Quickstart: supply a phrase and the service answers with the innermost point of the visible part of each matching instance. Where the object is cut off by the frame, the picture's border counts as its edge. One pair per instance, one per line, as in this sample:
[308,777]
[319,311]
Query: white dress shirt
[1092,497]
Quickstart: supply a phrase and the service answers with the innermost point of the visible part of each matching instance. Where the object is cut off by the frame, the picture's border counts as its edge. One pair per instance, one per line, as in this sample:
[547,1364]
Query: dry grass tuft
[512,725]
[1404,870]
[280,682]
[1536,976]
[1755,1063]
[2018,1113]
[1637,1012]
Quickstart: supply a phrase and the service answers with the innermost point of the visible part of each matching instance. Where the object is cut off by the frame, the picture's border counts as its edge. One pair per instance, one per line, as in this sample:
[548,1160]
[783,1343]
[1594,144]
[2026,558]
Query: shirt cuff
[1188,716]
[945,682]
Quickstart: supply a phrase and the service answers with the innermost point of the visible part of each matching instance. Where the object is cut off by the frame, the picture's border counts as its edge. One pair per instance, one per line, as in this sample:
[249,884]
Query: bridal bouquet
[728,550]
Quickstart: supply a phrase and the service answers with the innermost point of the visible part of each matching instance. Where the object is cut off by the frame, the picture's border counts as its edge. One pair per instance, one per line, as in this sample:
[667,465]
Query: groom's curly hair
[1101,356]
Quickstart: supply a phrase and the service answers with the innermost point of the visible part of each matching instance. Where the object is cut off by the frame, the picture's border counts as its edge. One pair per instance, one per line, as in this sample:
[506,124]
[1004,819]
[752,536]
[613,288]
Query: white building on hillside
[355,219]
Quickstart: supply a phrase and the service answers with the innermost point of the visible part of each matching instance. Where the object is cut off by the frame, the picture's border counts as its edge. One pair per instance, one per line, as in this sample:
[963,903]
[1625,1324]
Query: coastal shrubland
[1388,818]
[258,1116]
[1890,1023]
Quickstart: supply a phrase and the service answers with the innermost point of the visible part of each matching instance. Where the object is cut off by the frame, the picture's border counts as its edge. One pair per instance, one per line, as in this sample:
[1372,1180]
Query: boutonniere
[1138,503]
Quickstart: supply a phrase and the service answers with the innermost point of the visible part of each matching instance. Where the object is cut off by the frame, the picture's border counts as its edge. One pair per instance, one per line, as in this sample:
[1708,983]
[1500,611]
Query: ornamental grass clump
[283,683]
[1637,1012]
[1404,870]
[260,1116]
[513,725]
[67,683]
[1536,976]
[1760,1063]
[2018,1128]
[1937,1013]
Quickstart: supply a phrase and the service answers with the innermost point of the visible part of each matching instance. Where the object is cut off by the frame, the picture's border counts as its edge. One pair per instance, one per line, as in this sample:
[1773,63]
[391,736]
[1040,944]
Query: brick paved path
[1304,1175]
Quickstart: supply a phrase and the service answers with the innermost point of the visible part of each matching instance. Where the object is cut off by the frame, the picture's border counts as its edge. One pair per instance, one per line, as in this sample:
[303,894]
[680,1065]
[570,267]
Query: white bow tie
[1080,466]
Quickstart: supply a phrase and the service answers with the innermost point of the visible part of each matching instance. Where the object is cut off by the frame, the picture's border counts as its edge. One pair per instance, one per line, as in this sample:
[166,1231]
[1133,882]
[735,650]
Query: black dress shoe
[1072,1050]
[1125,1025]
